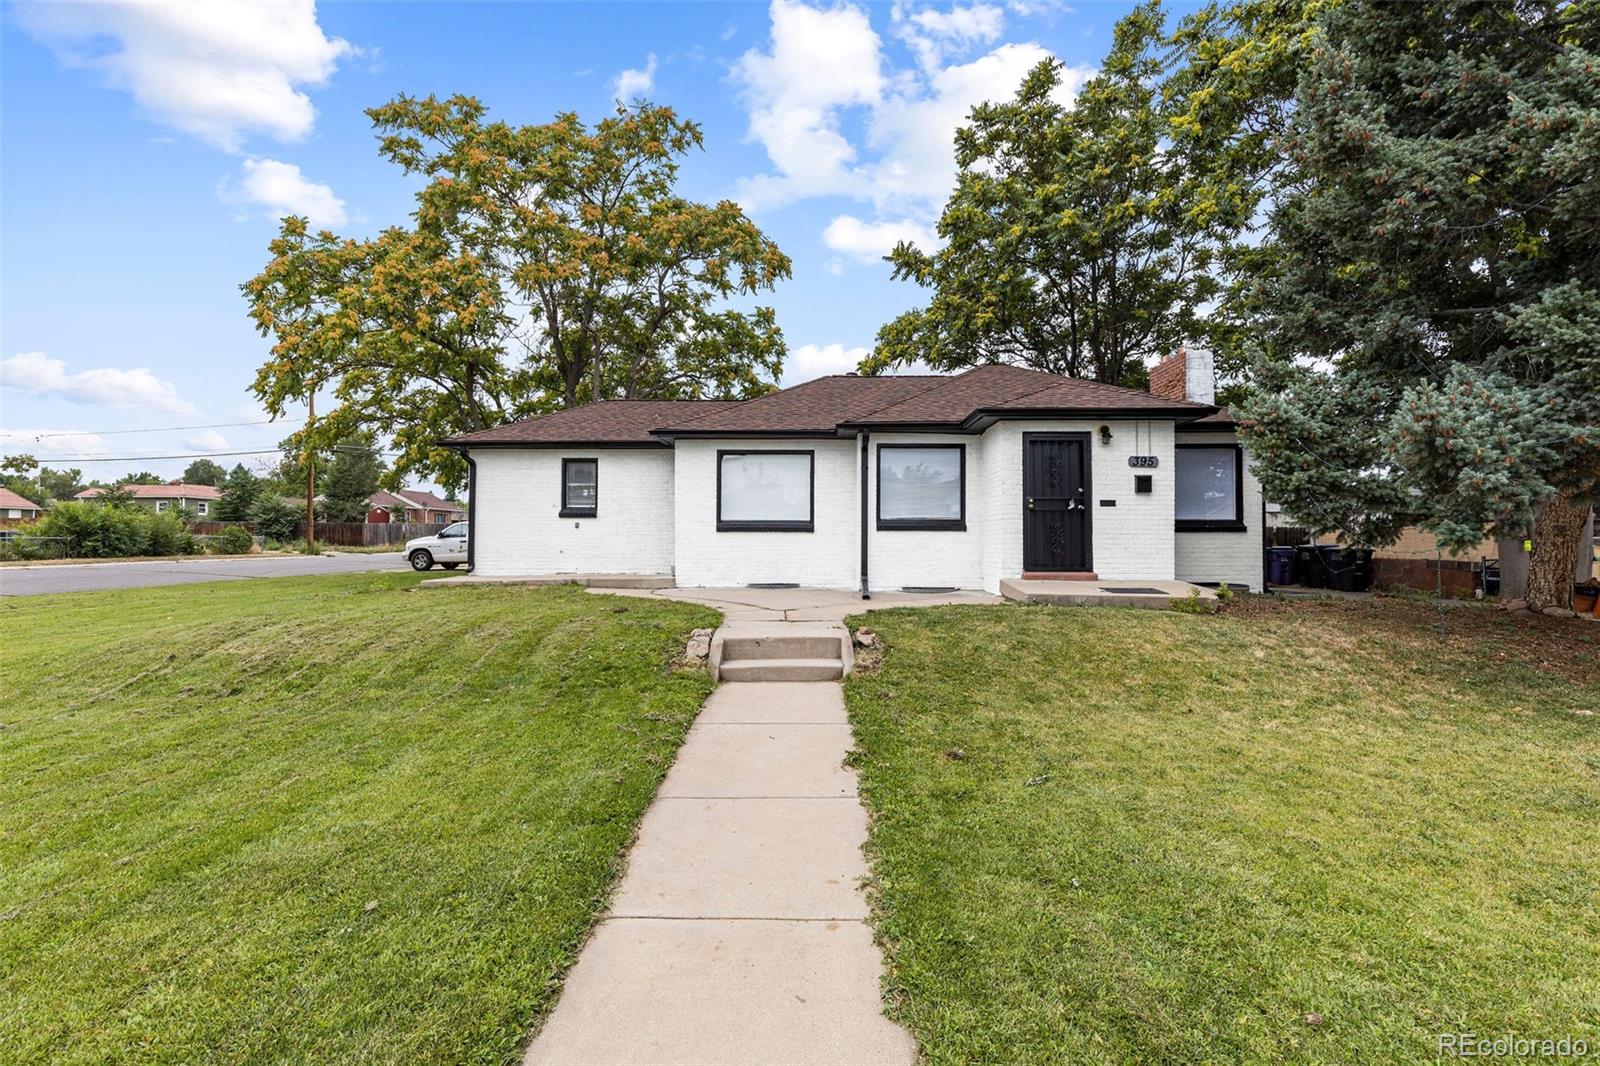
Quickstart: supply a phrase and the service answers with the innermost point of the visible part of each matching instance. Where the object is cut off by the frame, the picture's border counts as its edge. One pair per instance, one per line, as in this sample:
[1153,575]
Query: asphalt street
[95,577]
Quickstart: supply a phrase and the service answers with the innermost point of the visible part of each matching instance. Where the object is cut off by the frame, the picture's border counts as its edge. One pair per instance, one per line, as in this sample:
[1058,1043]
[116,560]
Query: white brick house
[887,483]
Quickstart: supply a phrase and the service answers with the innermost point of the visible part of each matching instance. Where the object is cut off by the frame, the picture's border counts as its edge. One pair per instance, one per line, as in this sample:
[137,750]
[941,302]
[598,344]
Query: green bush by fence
[96,531]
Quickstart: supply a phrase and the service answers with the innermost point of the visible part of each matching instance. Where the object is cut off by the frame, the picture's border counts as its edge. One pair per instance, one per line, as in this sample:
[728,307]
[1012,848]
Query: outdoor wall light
[1105,434]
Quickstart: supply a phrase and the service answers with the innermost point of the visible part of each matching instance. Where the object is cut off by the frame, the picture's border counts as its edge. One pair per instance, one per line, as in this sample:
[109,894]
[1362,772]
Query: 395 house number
[1144,462]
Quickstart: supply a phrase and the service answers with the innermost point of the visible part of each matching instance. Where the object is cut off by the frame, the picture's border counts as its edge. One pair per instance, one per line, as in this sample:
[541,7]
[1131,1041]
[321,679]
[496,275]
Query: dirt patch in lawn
[1479,635]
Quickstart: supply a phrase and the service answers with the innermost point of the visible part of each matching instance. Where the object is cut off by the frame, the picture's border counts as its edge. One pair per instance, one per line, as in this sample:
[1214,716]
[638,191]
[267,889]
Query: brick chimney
[1186,374]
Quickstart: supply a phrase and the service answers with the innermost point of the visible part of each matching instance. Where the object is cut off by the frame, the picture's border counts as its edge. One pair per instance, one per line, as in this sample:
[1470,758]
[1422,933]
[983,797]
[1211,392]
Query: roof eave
[467,445]
[984,417]
[670,435]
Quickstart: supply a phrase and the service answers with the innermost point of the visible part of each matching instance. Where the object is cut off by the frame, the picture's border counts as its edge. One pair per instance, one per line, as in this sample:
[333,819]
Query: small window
[765,491]
[1207,485]
[202,507]
[580,488]
[922,486]
[161,505]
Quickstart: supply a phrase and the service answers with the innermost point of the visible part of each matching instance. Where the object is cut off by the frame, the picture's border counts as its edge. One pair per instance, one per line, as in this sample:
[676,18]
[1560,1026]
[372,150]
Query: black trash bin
[1350,569]
[1308,568]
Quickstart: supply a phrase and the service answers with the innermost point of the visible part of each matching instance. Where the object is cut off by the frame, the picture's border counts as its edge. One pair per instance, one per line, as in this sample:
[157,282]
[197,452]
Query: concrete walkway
[739,932]
[741,605]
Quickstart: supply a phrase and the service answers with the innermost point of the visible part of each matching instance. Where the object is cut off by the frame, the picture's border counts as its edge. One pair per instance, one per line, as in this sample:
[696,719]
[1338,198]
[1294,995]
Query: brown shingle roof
[825,405]
[11,499]
[428,500]
[816,406]
[162,492]
[605,422]
[1222,420]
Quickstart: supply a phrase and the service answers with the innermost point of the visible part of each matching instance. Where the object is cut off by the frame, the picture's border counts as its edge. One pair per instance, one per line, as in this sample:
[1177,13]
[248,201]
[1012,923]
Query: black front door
[1055,491]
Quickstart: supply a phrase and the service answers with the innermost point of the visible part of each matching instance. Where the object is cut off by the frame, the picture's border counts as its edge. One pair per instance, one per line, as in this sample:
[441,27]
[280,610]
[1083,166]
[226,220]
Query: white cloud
[819,62]
[824,72]
[39,375]
[871,241]
[47,444]
[915,131]
[206,441]
[631,83]
[814,360]
[283,190]
[932,35]
[218,71]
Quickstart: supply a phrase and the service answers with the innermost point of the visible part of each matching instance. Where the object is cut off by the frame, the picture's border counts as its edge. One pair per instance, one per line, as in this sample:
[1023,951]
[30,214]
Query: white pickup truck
[448,548]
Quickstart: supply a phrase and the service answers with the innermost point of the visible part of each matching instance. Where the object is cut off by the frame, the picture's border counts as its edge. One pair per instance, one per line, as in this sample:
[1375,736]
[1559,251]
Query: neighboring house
[413,505]
[879,483]
[14,506]
[198,499]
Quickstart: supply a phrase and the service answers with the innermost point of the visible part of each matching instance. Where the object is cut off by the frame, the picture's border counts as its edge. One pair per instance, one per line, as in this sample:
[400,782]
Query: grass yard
[330,819]
[1318,832]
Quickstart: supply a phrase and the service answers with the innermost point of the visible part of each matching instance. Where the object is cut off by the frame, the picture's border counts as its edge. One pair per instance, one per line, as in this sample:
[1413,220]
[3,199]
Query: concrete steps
[782,670]
[787,652]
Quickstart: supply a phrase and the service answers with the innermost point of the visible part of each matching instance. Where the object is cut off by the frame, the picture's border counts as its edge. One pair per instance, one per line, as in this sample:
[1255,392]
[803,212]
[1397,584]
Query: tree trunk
[1556,528]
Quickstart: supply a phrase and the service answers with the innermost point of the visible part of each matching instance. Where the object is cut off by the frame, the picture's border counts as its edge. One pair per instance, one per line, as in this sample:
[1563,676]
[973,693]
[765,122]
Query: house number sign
[1144,462]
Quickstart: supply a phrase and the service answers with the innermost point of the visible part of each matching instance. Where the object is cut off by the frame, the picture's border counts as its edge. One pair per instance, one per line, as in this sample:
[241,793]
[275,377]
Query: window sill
[765,527]
[566,513]
[925,525]
[1202,526]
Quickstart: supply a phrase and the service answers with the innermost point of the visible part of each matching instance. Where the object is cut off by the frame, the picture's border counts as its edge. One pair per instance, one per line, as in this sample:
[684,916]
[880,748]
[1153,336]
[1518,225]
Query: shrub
[274,518]
[167,535]
[96,531]
[235,540]
[1193,604]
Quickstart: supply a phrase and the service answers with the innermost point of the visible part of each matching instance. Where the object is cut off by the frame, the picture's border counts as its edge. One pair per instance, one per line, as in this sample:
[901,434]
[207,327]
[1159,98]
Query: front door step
[785,652]
[1060,575]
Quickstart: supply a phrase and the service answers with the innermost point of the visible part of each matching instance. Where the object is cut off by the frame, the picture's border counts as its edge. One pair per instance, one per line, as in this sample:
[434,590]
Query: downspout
[1265,544]
[866,449]
[472,503]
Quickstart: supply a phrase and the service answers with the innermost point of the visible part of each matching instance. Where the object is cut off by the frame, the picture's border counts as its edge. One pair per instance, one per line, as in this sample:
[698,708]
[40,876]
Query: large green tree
[1077,239]
[239,493]
[16,475]
[204,472]
[352,478]
[548,265]
[1427,330]
[60,484]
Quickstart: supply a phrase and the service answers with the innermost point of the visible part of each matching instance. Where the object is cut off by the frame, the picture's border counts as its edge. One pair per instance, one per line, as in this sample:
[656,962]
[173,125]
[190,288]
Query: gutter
[866,451]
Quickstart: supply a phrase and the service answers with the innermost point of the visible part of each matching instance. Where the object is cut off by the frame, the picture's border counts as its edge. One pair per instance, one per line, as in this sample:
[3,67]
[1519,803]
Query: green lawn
[1320,833]
[331,819]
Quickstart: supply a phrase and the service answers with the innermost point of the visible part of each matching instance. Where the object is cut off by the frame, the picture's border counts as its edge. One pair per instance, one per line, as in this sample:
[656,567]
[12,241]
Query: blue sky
[148,150]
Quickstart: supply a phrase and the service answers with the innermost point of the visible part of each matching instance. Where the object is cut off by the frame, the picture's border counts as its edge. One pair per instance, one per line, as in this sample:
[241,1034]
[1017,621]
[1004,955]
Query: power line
[191,455]
[154,429]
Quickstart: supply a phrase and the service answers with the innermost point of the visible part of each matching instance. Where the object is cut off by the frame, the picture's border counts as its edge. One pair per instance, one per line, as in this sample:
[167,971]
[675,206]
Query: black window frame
[1213,525]
[569,511]
[742,526]
[944,525]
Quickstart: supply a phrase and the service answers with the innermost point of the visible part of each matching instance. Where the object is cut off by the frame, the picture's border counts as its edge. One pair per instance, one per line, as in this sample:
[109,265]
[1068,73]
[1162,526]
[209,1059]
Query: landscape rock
[866,638]
[1515,605]
[1560,612]
[699,646]
[1521,612]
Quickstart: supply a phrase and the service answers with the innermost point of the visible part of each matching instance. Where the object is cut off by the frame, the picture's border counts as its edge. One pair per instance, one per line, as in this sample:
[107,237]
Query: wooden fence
[368,534]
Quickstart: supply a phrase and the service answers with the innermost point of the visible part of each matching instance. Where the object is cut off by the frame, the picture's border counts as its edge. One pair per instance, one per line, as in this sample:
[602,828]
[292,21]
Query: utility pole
[311,476]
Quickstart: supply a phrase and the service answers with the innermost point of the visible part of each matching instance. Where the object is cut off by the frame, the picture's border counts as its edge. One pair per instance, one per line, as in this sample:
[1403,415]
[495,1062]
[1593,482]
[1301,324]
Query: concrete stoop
[1157,595]
[785,651]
